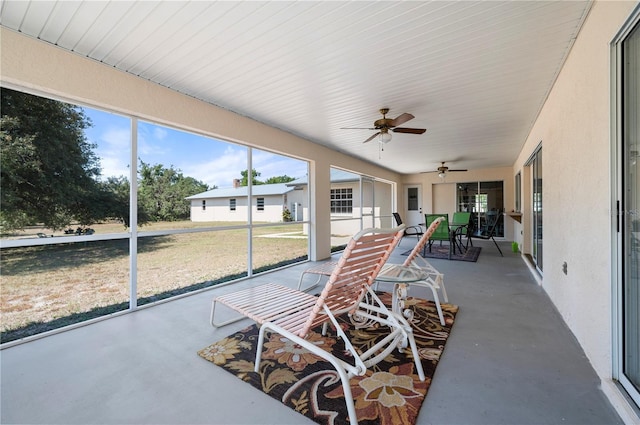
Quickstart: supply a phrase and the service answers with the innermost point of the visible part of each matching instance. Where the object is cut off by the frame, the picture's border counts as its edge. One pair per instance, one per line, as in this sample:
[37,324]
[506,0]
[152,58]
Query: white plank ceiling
[474,74]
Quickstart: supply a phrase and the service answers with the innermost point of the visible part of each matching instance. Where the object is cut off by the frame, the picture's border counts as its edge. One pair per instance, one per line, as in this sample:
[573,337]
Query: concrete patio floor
[510,359]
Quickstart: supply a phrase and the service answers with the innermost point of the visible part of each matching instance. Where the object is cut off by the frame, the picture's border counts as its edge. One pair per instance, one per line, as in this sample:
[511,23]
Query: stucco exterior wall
[217,209]
[273,208]
[574,129]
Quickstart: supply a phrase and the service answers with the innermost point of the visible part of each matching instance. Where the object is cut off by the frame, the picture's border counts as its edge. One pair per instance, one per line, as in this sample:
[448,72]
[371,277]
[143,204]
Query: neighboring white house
[268,203]
[270,200]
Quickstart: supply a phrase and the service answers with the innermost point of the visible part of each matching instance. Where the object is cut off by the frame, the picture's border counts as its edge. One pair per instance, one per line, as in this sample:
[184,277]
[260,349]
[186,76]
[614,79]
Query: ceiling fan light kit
[385,136]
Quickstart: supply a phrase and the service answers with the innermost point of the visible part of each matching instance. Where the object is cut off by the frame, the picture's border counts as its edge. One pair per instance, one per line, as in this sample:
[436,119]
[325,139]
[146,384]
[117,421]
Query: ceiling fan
[385,124]
[443,170]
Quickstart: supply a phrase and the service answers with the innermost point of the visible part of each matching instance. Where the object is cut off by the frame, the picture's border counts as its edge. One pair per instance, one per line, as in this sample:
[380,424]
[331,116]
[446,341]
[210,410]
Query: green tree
[118,189]
[270,180]
[48,169]
[245,180]
[162,192]
[279,179]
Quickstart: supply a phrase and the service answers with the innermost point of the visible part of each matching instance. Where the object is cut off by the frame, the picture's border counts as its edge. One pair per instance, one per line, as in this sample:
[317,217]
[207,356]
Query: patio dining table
[454,232]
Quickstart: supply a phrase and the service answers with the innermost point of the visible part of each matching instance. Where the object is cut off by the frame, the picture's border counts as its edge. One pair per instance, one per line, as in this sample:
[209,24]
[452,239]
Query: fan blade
[401,119]
[371,138]
[408,130]
[456,170]
[357,128]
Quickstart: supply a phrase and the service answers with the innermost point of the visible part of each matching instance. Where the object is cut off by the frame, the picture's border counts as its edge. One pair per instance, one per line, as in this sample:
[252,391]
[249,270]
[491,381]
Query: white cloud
[116,138]
[113,167]
[221,170]
[113,150]
[149,146]
[271,165]
[159,133]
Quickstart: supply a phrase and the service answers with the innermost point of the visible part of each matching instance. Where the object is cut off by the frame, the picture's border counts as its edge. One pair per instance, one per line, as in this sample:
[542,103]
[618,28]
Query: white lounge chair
[293,313]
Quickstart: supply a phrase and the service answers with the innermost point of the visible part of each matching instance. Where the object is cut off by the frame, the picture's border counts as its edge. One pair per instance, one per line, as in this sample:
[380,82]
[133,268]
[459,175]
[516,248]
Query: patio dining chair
[293,314]
[489,233]
[461,224]
[409,230]
[442,232]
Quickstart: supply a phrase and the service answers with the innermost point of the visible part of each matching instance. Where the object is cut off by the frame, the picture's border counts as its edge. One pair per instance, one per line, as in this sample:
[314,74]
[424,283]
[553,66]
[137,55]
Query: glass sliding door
[485,200]
[629,214]
[536,202]
[493,194]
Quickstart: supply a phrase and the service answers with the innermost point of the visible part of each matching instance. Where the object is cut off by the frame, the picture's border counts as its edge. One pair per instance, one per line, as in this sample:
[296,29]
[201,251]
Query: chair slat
[423,241]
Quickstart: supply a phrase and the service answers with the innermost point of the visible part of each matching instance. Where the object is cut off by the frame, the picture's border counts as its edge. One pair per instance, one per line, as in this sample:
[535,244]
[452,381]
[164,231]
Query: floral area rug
[390,393]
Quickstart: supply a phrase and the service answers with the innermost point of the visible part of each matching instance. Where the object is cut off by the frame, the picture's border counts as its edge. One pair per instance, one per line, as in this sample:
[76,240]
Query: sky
[209,160]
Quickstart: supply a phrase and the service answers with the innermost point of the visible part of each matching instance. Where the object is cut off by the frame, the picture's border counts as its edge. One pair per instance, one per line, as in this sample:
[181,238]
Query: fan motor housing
[382,123]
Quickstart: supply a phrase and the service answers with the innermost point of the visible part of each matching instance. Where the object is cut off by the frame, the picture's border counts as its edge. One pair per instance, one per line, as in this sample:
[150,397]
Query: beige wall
[443,198]
[41,68]
[574,129]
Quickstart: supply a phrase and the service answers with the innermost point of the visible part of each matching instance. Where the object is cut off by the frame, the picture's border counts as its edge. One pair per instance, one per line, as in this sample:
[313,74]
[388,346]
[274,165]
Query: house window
[342,201]
[204,204]
[260,203]
[481,202]
[232,204]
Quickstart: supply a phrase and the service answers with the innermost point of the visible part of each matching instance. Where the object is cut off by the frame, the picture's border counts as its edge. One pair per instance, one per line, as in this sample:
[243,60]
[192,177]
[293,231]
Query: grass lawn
[50,286]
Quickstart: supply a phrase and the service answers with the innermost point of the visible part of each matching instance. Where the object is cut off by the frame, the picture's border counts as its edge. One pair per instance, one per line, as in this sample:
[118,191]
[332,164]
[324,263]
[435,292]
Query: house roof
[258,190]
[336,176]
